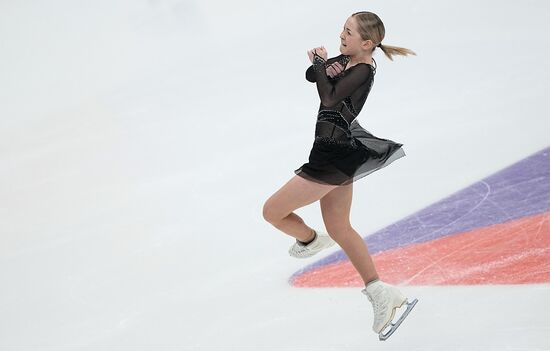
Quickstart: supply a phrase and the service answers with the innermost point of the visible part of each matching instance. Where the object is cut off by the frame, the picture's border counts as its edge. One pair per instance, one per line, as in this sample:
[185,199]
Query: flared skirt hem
[340,164]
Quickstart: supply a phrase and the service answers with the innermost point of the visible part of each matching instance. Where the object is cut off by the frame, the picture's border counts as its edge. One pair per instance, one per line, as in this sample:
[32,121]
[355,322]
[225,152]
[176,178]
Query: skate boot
[385,300]
[322,241]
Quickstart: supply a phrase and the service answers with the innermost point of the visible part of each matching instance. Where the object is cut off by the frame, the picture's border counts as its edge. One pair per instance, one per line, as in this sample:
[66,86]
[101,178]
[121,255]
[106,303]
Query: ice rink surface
[140,139]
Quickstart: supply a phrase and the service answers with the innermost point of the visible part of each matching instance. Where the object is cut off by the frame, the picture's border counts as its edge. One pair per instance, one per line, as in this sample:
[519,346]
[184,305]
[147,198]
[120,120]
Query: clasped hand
[333,69]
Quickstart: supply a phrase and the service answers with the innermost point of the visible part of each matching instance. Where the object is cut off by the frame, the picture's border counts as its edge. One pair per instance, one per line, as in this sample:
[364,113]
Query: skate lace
[378,306]
[300,249]
[304,248]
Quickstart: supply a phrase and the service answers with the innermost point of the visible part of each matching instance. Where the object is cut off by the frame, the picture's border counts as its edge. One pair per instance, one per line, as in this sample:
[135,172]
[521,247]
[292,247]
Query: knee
[339,231]
[269,213]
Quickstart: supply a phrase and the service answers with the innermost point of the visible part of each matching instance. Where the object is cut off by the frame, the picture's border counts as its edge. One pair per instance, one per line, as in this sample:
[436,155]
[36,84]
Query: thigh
[336,207]
[297,192]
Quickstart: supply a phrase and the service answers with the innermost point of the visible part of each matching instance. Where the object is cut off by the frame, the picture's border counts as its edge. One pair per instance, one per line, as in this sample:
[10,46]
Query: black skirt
[341,163]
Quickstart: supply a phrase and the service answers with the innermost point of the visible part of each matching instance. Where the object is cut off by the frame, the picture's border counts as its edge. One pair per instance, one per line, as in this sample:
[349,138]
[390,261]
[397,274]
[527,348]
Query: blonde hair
[371,28]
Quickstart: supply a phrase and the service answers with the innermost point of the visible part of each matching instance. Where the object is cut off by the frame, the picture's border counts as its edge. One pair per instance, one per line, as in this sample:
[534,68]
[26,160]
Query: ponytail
[390,51]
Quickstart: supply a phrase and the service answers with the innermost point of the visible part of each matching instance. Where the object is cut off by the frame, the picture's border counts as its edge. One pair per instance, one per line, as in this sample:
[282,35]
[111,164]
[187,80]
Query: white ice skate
[321,242]
[385,300]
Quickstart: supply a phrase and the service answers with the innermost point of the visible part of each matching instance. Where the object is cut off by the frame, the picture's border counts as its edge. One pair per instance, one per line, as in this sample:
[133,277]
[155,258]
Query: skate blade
[394,326]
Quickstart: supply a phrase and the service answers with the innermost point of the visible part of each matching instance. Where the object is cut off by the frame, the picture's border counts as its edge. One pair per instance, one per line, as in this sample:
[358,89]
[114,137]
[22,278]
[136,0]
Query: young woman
[342,152]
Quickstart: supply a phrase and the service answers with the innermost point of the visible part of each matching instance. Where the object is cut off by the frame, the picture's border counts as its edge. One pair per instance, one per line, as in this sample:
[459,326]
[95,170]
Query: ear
[367,44]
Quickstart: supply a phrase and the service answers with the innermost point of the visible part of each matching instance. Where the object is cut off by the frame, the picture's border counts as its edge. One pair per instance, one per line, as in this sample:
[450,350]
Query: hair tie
[379,45]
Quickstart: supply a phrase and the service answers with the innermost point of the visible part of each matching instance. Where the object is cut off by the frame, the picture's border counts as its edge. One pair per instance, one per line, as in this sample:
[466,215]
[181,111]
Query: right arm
[331,92]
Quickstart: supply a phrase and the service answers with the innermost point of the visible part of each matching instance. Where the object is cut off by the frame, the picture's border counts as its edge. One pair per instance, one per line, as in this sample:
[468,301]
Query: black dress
[343,151]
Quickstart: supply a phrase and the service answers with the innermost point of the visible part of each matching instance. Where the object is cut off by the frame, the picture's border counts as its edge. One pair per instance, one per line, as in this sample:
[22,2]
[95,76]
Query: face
[350,40]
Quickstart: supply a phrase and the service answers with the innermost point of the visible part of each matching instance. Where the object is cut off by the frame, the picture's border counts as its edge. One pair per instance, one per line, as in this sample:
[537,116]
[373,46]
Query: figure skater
[342,152]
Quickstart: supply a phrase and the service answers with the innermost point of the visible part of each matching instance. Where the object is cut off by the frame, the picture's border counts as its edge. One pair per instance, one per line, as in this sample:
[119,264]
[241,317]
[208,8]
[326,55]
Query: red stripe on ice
[514,252]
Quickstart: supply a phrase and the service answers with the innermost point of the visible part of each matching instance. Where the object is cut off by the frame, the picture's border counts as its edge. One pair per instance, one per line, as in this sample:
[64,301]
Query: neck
[355,59]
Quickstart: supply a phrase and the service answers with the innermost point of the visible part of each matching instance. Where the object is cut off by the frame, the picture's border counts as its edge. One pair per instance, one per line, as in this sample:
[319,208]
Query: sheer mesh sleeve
[332,92]
[310,73]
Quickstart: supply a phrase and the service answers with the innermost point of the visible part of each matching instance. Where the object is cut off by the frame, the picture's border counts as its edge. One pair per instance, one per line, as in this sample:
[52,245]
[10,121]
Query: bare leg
[356,249]
[297,192]
[335,207]
[295,226]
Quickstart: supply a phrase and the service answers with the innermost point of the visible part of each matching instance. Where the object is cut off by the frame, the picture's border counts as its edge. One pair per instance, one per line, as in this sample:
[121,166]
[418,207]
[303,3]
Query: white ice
[140,139]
